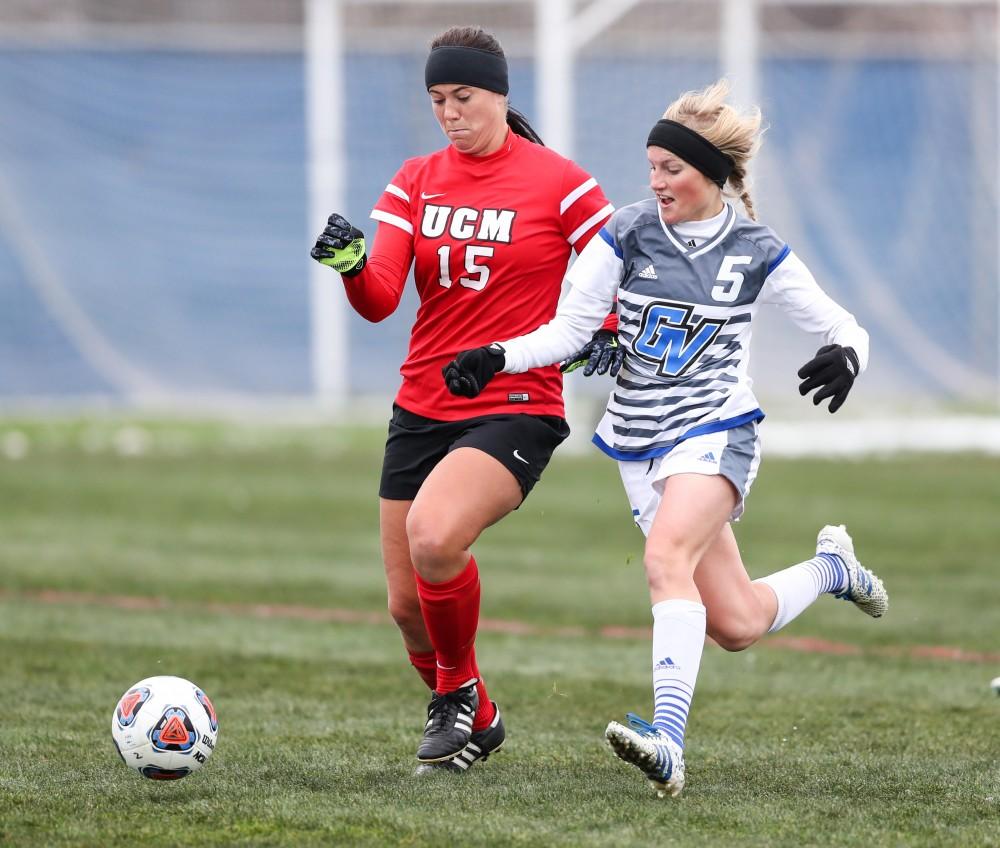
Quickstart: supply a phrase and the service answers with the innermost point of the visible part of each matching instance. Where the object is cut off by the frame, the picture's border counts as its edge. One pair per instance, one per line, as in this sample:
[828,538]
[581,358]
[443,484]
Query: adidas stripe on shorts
[734,454]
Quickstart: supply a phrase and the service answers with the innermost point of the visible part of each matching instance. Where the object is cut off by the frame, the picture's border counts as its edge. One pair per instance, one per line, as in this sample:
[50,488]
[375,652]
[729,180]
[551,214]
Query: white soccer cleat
[864,589]
[651,751]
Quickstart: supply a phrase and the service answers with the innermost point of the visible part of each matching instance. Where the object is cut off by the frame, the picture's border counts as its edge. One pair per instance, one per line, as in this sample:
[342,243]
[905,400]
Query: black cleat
[449,724]
[483,743]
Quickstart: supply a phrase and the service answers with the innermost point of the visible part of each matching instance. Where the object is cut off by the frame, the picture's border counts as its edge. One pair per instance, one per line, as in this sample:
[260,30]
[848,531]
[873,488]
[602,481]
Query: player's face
[473,119]
[683,193]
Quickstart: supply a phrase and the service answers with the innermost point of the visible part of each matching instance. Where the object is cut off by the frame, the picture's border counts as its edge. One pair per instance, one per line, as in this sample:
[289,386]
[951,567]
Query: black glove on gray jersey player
[602,354]
[469,372]
[832,371]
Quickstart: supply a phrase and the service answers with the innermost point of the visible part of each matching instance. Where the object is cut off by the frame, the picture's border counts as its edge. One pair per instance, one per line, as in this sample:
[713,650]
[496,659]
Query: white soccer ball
[164,728]
[995,685]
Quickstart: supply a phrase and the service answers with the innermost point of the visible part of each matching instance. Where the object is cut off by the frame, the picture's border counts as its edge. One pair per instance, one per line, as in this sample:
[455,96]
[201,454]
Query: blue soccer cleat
[651,751]
[864,589]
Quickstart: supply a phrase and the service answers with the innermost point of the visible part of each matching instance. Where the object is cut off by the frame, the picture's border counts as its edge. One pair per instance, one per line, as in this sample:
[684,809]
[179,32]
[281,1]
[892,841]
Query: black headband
[468,66]
[693,148]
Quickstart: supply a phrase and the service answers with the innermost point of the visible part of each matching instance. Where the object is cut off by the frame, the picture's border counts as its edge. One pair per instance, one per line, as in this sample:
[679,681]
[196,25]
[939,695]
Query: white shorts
[733,454]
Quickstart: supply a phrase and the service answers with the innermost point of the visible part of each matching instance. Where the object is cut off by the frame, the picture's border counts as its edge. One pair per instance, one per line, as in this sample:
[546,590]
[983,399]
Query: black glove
[602,354]
[832,370]
[469,372]
[341,246]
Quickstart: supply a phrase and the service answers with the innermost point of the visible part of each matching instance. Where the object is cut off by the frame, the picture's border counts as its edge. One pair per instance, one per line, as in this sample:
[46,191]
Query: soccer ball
[164,728]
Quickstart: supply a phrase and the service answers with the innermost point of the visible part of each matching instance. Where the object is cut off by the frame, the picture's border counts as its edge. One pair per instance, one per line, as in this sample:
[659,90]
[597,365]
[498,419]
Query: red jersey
[491,236]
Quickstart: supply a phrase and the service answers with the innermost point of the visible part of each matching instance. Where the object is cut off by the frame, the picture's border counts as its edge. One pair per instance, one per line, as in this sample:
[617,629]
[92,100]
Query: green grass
[319,720]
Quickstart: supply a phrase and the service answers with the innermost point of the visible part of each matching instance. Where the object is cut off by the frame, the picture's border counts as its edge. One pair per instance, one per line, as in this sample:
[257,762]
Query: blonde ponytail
[737,135]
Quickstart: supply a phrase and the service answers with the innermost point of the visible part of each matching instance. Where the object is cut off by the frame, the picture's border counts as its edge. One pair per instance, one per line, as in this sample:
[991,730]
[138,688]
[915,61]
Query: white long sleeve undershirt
[793,289]
[594,282]
[593,285]
[580,315]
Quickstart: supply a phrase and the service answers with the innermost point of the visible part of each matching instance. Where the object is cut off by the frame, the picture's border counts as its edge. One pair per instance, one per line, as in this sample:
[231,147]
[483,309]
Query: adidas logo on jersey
[665,664]
[707,457]
[648,273]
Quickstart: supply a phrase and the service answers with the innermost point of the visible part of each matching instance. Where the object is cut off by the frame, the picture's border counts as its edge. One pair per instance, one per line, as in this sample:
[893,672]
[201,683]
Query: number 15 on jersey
[476,275]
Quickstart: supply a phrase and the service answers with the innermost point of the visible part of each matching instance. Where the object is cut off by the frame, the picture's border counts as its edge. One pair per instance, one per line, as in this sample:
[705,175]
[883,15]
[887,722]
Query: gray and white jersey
[684,317]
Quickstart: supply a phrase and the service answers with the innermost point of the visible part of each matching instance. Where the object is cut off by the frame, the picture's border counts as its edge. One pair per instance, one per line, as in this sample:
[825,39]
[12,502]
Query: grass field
[247,560]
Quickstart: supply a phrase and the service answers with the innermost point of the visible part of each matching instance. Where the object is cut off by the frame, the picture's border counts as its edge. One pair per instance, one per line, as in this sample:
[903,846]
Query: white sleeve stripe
[396,190]
[576,194]
[395,220]
[597,217]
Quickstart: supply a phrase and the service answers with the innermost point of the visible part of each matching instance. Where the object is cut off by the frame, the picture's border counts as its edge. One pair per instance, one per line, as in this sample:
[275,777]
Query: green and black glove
[341,246]
[602,354]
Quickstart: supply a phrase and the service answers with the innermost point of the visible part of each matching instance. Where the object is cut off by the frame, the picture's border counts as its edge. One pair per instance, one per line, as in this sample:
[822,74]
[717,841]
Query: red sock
[451,614]
[425,662]
[485,713]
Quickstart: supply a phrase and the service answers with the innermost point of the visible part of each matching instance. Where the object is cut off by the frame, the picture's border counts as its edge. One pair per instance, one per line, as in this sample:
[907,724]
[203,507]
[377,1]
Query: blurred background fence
[157,200]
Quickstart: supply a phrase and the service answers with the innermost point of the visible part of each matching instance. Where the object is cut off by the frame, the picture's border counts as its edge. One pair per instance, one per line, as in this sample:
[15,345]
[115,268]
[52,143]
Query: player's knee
[736,642]
[432,548]
[405,611]
[734,634]
[667,573]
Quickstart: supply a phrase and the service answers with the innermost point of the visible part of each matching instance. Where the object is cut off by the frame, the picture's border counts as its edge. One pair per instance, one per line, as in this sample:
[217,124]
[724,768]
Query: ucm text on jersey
[495,225]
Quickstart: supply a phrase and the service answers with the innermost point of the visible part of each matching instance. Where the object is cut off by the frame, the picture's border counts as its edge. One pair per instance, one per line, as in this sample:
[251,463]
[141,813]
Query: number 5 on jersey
[734,279]
[476,275]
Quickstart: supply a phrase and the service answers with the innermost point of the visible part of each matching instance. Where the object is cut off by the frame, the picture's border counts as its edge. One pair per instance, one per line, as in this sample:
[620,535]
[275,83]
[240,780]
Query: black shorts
[523,444]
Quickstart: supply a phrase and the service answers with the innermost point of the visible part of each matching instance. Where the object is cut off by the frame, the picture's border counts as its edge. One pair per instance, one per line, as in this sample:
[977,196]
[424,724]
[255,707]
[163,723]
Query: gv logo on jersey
[669,338]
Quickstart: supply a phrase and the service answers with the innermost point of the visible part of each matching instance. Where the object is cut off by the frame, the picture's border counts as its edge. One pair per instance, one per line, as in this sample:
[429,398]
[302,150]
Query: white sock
[797,587]
[678,641]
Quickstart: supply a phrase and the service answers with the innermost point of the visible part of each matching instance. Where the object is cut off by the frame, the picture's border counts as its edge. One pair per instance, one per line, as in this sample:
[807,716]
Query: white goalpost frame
[560,33]
[324,69]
